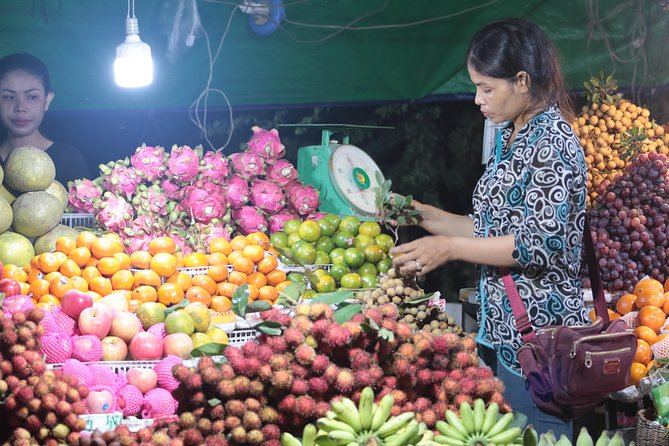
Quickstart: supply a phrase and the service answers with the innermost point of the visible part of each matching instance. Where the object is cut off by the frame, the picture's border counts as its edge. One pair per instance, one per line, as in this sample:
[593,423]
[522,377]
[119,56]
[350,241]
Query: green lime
[309,230]
[384,265]
[308,294]
[305,253]
[279,239]
[370,228]
[291,226]
[322,258]
[350,224]
[296,277]
[325,243]
[343,239]
[337,255]
[351,280]
[327,228]
[326,284]
[385,241]
[334,219]
[285,260]
[368,280]
[367,268]
[354,257]
[362,240]
[338,270]
[292,238]
[320,272]
[373,253]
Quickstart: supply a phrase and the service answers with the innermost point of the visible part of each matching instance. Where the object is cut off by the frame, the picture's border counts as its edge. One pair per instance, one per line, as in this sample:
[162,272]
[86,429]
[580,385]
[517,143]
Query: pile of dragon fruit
[194,196]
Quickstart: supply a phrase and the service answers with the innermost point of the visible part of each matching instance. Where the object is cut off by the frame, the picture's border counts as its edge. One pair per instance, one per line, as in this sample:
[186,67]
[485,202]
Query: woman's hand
[423,255]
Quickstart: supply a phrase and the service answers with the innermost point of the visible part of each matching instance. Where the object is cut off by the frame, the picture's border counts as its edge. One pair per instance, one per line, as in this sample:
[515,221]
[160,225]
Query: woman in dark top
[25,95]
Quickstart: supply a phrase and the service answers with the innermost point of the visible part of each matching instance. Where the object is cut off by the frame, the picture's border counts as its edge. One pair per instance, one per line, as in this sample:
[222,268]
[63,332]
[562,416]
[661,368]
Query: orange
[643,352]
[165,264]
[649,292]
[180,260]
[660,337]
[221,304]
[268,293]
[198,294]
[147,277]
[51,276]
[61,257]
[79,283]
[13,272]
[637,372]
[218,258]
[612,314]
[140,259]
[238,242]
[651,365]
[65,244]
[34,275]
[227,289]
[244,265]
[260,239]
[162,244]
[282,286]
[124,259]
[626,303]
[95,295]
[133,305]
[59,285]
[257,279]
[652,317]
[253,292]
[122,280]
[267,264]
[25,288]
[206,282]
[92,262]
[218,272]
[144,293]
[646,334]
[45,306]
[34,264]
[108,265]
[39,287]
[106,246]
[195,259]
[665,307]
[49,299]
[101,285]
[89,272]
[666,285]
[69,268]
[275,277]
[253,252]
[220,245]
[272,250]
[234,255]
[81,255]
[237,277]
[170,293]
[48,262]
[85,239]
[183,279]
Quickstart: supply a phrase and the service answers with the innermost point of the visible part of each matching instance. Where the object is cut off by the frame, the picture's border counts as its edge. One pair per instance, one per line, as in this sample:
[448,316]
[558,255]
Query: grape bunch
[629,221]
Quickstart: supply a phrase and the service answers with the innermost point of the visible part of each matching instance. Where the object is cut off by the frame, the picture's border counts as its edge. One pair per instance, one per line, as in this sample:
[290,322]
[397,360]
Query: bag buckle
[523,325]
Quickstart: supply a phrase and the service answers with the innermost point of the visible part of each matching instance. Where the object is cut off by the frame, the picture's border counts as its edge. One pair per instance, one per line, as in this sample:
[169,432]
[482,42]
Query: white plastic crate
[78,220]
[241,336]
[195,270]
[117,366]
[300,269]
[103,421]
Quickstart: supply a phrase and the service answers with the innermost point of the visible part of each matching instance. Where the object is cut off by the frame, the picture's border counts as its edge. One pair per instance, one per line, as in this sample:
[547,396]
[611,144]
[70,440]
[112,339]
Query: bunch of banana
[366,424]
[583,439]
[478,425]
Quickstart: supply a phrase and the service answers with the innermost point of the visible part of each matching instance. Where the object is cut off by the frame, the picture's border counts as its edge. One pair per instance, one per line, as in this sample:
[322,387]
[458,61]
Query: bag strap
[523,323]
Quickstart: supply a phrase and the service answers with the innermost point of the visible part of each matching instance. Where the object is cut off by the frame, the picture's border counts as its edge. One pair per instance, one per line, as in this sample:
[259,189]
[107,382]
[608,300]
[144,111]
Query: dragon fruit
[247,165]
[303,199]
[172,189]
[278,220]
[183,164]
[120,178]
[180,241]
[82,194]
[267,196]
[114,212]
[214,167]
[315,216]
[266,144]
[205,233]
[282,172]
[204,204]
[140,232]
[152,200]
[249,219]
[237,191]
[149,162]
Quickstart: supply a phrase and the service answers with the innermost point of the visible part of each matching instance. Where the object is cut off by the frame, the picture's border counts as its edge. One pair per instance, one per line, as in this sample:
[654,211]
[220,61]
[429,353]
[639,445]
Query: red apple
[146,346]
[142,378]
[95,320]
[10,287]
[125,325]
[74,302]
[114,349]
[178,344]
[100,401]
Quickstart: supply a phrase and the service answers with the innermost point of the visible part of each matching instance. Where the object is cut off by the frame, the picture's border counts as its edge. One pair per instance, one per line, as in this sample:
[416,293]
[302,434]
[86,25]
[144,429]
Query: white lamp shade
[133,66]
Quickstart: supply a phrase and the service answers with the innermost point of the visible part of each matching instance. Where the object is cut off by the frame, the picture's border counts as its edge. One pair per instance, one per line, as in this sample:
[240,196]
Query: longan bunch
[392,288]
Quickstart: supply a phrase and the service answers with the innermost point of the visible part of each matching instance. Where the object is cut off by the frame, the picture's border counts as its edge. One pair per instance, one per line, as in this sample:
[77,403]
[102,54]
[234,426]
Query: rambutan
[403,331]
[251,420]
[345,381]
[337,336]
[249,348]
[197,398]
[461,398]
[439,375]
[235,408]
[181,372]
[265,372]
[331,372]
[187,420]
[425,377]
[353,327]
[407,350]
[225,388]
[287,404]
[440,362]
[205,362]
[263,353]
[462,359]
[25,394]
[302,309]
[217,412]
[218,426]
[79,407]
[211,375]
[322,408]
[232,422]
[227,372]
[279,361]
[389,381]
[242,384]
[268,414]
[305,354]
[282,380]
[299,371]
[320,363]
[469,343]
[305,406]
[364,378]
[374,314]
[299,387]
[256,388]
[293,336]
[450,386]
[429,417]
[194,382]
[50,419]
[271,432]
[320,311]
[396,410]
[422,344]
[320,328]
[359,359]
[302,323]
[376,372]
[389,325]
[32,423]
[255,437]
[456,374]
[422,403]
[401,366]
[192,437]
[468,386]
[318,386]
[496,397]
[311,341]
[400,396]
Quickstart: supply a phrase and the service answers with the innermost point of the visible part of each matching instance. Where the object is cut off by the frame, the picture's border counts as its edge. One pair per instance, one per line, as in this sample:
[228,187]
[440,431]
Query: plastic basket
[300,269]
[103,422]
[116,366]
[649,432]
[240,337]
[78,220]
[196,270]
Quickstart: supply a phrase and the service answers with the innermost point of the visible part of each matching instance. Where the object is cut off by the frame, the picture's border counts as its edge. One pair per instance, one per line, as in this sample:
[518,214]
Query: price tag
[437,301]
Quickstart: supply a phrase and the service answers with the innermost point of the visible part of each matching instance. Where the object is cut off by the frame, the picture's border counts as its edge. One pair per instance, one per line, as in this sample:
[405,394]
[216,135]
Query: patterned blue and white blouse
[535,190]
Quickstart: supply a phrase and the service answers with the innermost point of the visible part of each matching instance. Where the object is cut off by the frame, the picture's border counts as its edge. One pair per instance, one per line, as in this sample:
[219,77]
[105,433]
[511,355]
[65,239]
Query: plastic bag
[182,24]
[659,391]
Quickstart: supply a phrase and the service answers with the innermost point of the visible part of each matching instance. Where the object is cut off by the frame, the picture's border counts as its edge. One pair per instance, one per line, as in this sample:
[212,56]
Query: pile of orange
[98,265]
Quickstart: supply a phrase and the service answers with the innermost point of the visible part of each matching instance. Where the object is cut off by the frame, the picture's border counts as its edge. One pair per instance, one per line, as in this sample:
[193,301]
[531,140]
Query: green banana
[382,411]
[403,436]
[449,431]
[530,436]
[563,441]
[603,439]
[547,439]
[467,417]
[479,413]
[347,412]
[500,425]
[443,439]
[288,440]
[584,438]
[456,422]
[394,424]
[330,414]
[366,407]
[506,436]
[329,425]
[309,435]
[617,440]
[489,417]
[342,435]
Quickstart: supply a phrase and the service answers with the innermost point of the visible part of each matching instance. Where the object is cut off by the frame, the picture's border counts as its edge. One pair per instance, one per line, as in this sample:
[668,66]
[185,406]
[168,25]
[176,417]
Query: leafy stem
[394,210]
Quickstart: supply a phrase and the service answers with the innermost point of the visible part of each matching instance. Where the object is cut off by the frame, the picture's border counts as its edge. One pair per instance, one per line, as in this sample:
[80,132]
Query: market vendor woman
[528,207]
[25,95]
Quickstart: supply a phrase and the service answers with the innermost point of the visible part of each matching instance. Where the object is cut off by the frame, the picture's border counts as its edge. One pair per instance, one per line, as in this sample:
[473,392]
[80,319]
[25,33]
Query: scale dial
[354,175]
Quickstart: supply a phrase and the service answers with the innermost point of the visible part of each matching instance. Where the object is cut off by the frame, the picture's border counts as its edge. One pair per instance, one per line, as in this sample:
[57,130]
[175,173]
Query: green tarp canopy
[324,52]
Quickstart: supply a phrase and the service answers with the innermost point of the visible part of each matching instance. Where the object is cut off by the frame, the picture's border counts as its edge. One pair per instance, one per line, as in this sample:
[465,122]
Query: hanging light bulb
[133,66]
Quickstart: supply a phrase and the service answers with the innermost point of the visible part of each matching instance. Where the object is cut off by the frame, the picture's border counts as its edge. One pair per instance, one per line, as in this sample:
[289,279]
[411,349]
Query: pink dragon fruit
[129,400]
[266,144]
[204,204]
[267,196]
[303,199]
[214,167]
[149,162]
[120,178]
[237,191]
[172,189]
[315,216]
[180,241]
[282,172]
[158,402]
[113,213]
[82,194]
[278,220]
[152,200]
[249,219]
[183,164]
[247,165]
[203,234]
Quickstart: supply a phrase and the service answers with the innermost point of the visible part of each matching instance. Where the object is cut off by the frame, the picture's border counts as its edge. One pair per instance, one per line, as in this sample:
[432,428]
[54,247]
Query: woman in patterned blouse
[528,207]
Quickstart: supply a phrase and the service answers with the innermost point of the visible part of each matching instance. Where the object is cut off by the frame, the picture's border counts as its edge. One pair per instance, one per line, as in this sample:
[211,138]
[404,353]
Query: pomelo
[7,194]
[47,242]
[58,190]
[179,322]
[28,169]
[36,213]
[150,314]
[6,215]
[200,315]
[15,249]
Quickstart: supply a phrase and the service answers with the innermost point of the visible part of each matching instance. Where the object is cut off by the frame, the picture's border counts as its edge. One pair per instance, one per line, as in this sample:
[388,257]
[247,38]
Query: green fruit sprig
[393,209]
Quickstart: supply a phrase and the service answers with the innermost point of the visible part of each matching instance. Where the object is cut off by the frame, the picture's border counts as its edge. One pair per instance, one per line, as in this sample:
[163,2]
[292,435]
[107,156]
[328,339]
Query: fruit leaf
[386,334]
[182,303]
[369,326]
[420,299]
[240,300]
[209,349]
[333,298]
[271,328]
[291,294]
[346,312]
[214,402]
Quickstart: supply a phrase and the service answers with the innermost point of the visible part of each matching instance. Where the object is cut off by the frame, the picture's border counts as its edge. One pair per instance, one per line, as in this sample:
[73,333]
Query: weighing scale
[345,175]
